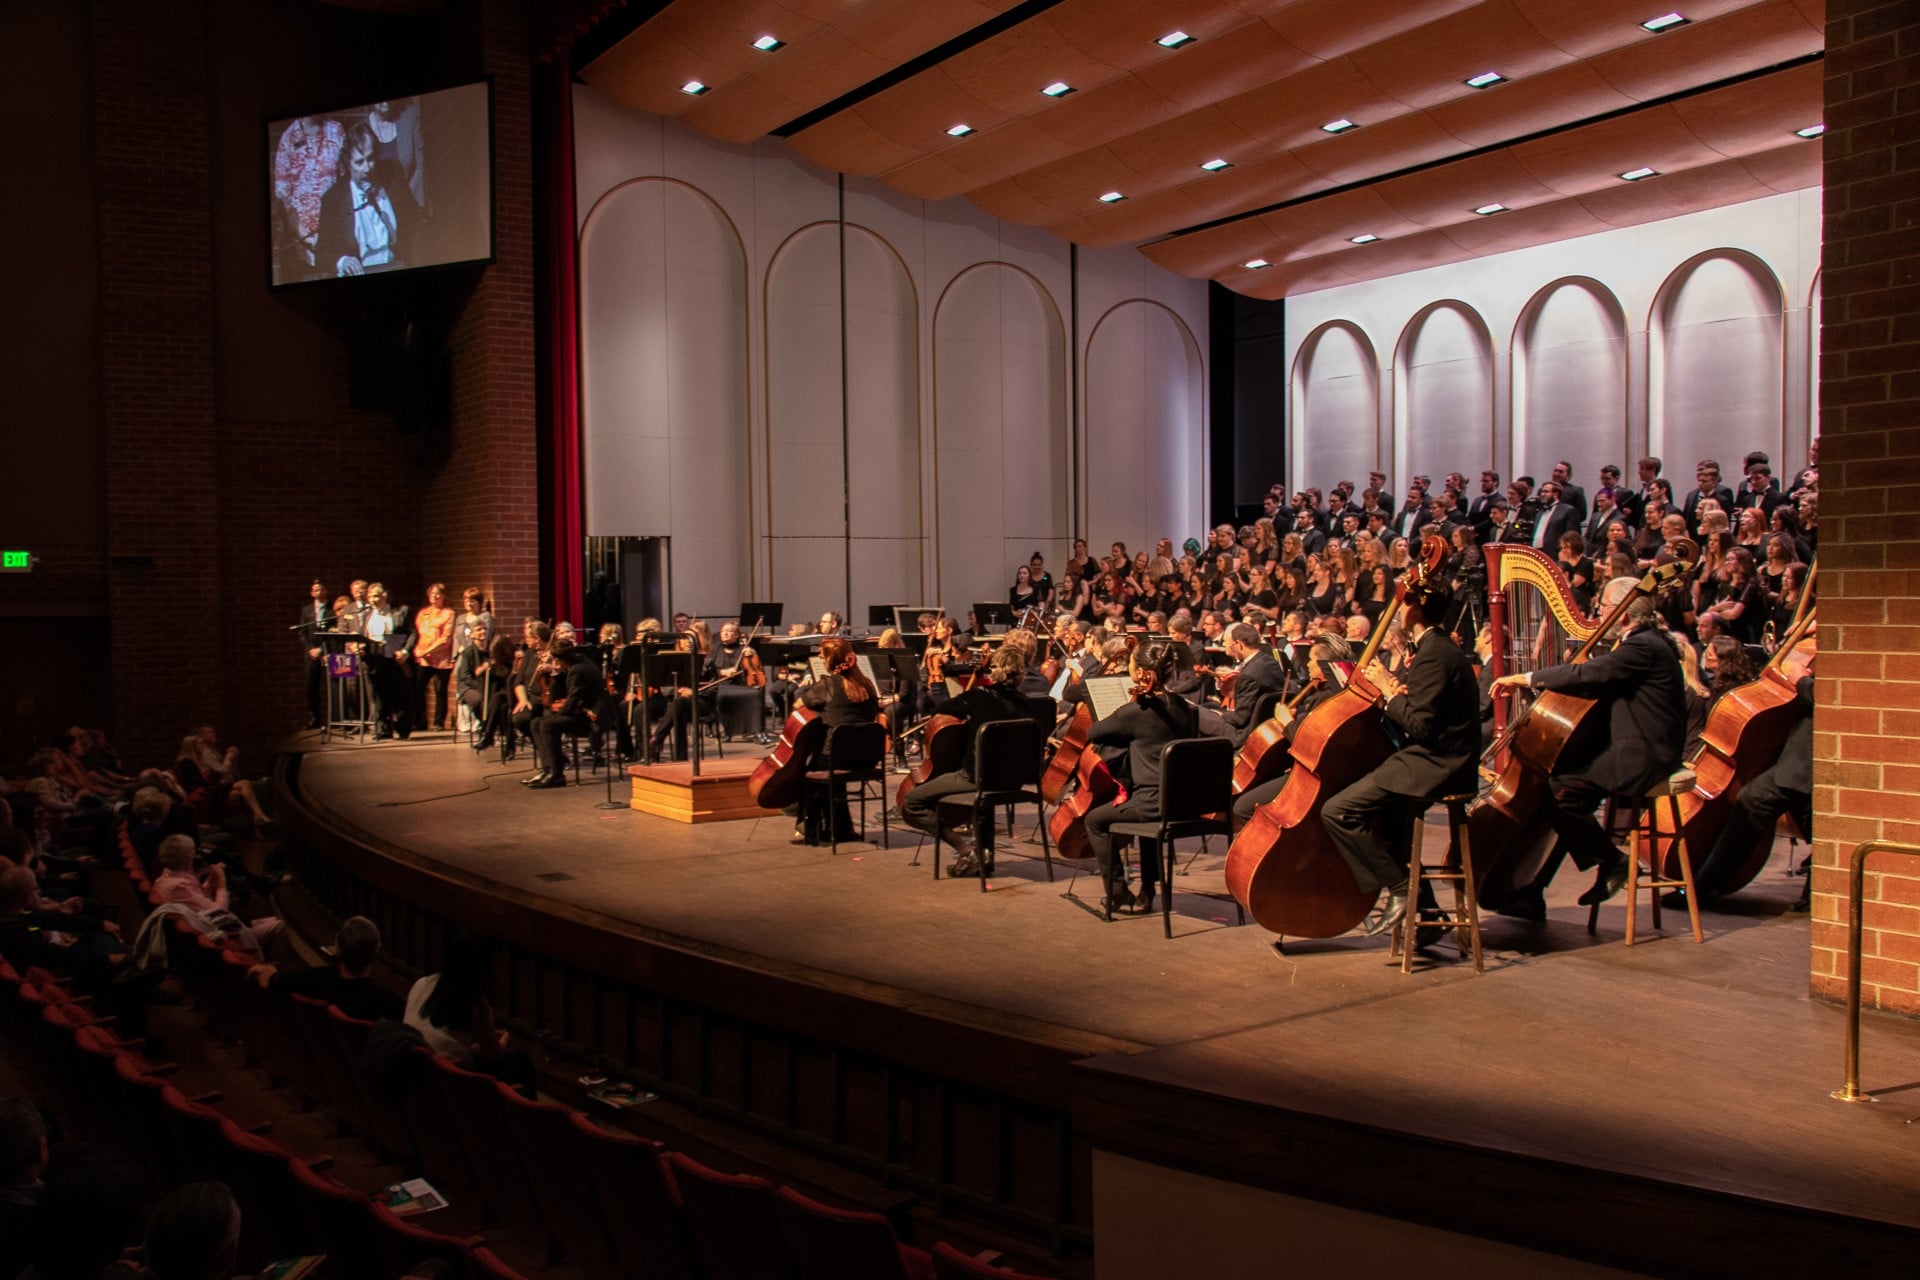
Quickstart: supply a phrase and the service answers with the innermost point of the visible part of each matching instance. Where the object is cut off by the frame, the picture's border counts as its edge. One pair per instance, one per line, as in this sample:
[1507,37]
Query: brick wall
[1867,728]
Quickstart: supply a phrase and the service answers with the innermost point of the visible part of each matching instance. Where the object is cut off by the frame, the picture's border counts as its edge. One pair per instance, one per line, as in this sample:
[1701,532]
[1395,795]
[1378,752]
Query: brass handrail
[1856,894]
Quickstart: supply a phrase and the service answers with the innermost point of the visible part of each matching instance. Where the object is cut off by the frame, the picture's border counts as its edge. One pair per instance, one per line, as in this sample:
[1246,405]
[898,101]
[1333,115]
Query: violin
[1283,867]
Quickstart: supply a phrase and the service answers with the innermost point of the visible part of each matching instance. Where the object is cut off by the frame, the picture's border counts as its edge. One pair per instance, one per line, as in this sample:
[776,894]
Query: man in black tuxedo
[1556,517]
[1758,489]
[1437,709]
[1645,701]
[317,616]
[1570,493]
[1141,726]
[1312,540]
[1605,512]
[1257,676]
[584,687]
[1407,521]
[1478,514]
[388,629]
[1706,484]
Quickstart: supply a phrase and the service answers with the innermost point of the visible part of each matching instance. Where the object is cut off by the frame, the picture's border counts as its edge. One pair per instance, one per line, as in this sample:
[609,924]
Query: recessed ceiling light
[767,44]
[1058,89]
[1216,165]
[693,88]
[1112,197]
[1174,40]
[1485,80]
[1811,131]
[1256,264]
[960,131]
[1634,175]
[1487,210]
[1338,126]
[1366,238]
[1665,22]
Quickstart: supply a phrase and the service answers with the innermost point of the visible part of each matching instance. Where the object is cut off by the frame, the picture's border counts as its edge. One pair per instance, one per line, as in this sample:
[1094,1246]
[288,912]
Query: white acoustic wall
[1570,381]
[664,376]
[1143,385]
[1717,376]
[1443,393]
[1691,337]
[1335,406]
[951,450]
[1000,429]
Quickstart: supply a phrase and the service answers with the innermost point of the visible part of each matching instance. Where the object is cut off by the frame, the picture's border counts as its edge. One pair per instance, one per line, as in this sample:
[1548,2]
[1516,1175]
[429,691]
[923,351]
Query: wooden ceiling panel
[1010,71]
[1329,29]
[1793,167]
[1592,158]
[1508,111]
[975,165]
[1429,65]
[1290,113]
[1588,28]
[1388,147]
[1450,193]
[1122,32]
[1701,53]
[1248,59]
[1555,220]
[1758,115]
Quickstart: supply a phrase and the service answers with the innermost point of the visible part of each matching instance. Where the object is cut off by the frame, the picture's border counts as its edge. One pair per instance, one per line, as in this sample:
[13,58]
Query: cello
[943,747]
[1095,784]
[1509,822]
[780,777]
[1066,757]
[1264,754]
[1746,731]
[1283,867]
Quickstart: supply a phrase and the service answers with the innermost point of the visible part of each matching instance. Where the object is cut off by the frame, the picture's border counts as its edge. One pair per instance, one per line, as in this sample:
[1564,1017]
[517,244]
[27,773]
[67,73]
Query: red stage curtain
[563,542]
[558,23]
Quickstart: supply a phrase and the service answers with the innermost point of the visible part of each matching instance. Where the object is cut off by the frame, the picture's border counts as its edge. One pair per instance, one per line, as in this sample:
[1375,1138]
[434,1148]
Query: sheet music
[1059,689]
[1107,694]
[866,668]
[953,688]
[817,668]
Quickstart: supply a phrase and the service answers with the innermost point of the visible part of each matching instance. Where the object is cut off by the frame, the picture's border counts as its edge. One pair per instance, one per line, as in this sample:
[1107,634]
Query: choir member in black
[526,684]
[317,616]
[1645,710]
[1325,683]
[1256,676]
[1786,788]
[577,689]
[998,699]
[742,706]
[1436,710]
[841,697]
[1141,727]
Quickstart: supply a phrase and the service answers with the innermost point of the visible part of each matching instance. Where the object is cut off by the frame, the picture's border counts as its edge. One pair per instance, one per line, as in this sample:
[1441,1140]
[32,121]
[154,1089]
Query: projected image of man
[359,231]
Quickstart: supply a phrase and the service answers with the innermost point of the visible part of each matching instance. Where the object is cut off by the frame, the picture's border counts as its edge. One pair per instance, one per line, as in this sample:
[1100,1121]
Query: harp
[1532,620]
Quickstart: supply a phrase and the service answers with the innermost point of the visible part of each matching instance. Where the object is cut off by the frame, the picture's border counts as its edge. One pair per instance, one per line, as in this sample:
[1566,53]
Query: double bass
[1283,867]
[1746,731]
[1510,822]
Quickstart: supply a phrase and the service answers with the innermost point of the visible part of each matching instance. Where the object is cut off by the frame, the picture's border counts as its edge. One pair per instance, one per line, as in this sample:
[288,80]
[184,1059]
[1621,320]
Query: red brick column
[1867,727]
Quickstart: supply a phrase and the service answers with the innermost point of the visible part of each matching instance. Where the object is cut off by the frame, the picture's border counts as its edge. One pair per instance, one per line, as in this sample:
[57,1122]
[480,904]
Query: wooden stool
[1457,867]
[1643,841]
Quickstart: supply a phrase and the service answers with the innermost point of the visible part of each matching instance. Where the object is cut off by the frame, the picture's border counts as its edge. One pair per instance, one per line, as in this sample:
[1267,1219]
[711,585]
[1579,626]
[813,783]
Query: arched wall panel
[664,382]
[1443,402]
[1570,382]
[806,527]
[1000,429]
[1144,397]
[883,424]
[1716,377]
[1336,407]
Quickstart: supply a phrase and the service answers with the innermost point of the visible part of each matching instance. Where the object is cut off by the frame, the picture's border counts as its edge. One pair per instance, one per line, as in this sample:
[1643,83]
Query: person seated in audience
[451,1012]
[89,1214]
[344,983]
[202,765]
[205,893]
[194,1234]
[23,1161]
[67,941]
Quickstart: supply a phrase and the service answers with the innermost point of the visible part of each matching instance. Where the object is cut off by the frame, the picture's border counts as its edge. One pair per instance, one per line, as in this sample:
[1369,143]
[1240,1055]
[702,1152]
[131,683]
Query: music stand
[906,617]
[764,615]
[993,613]
[670,669]
[884,615]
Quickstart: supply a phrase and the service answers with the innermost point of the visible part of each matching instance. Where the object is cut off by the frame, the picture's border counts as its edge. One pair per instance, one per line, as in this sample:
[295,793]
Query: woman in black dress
[843,696]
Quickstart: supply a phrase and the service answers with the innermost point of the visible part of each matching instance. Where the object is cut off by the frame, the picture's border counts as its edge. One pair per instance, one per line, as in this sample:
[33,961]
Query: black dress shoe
[1142,904]
[536,780]
[964,864]
[1528,904]
[551,780]
[1612,875]
[1391,911]
[1119,900]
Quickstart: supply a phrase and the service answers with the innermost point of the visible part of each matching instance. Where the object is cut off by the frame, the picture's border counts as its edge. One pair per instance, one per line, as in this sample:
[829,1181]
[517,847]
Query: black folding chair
[1196,794]
[1006,771]
[856,757]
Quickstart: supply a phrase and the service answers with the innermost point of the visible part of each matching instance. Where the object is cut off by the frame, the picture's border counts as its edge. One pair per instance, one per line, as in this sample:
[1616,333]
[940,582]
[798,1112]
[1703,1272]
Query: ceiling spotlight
[1634,175]
[1811,131]
[1488,210]
[1665,22]
[693,88]
[960,131]
[1174,40]
[767,44]
[1112,197]
[1485,80]
[1216,165]
[1058,89]
[1366,238]
[1338,126]
[1256,264]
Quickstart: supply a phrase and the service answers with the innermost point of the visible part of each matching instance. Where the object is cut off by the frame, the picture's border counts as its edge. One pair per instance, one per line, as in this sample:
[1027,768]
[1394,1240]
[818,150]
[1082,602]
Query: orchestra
[1478,614]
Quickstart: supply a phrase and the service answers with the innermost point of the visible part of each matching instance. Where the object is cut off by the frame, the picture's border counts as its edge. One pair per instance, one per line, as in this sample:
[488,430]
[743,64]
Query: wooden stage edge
[1663,1109]
[718,794]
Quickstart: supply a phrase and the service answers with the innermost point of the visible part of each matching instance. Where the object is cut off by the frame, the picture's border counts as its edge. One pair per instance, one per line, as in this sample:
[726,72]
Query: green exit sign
[16,562]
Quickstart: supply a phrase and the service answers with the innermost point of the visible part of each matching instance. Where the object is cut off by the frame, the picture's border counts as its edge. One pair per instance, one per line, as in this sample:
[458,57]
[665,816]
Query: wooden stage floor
[1705,1066]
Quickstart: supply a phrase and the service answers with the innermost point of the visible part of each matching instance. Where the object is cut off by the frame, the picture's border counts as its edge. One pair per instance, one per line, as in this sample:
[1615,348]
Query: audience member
[344,983]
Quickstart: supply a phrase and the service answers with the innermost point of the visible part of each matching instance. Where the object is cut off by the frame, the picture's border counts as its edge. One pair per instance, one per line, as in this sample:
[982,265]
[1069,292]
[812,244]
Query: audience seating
[473,1100]
[735,1227]
[951,1264]
[843,1244]
[638,1200]
[341,1079]
[542,1134]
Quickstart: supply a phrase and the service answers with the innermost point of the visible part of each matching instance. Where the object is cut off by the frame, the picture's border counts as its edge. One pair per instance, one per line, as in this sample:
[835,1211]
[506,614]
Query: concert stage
[1662,1109]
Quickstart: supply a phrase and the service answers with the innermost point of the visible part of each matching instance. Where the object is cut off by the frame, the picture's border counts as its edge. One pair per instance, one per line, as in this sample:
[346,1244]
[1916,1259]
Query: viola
[943,747]
[1094,784]
[1282,867]
[778,779]
[1066,757]
[1510,821]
